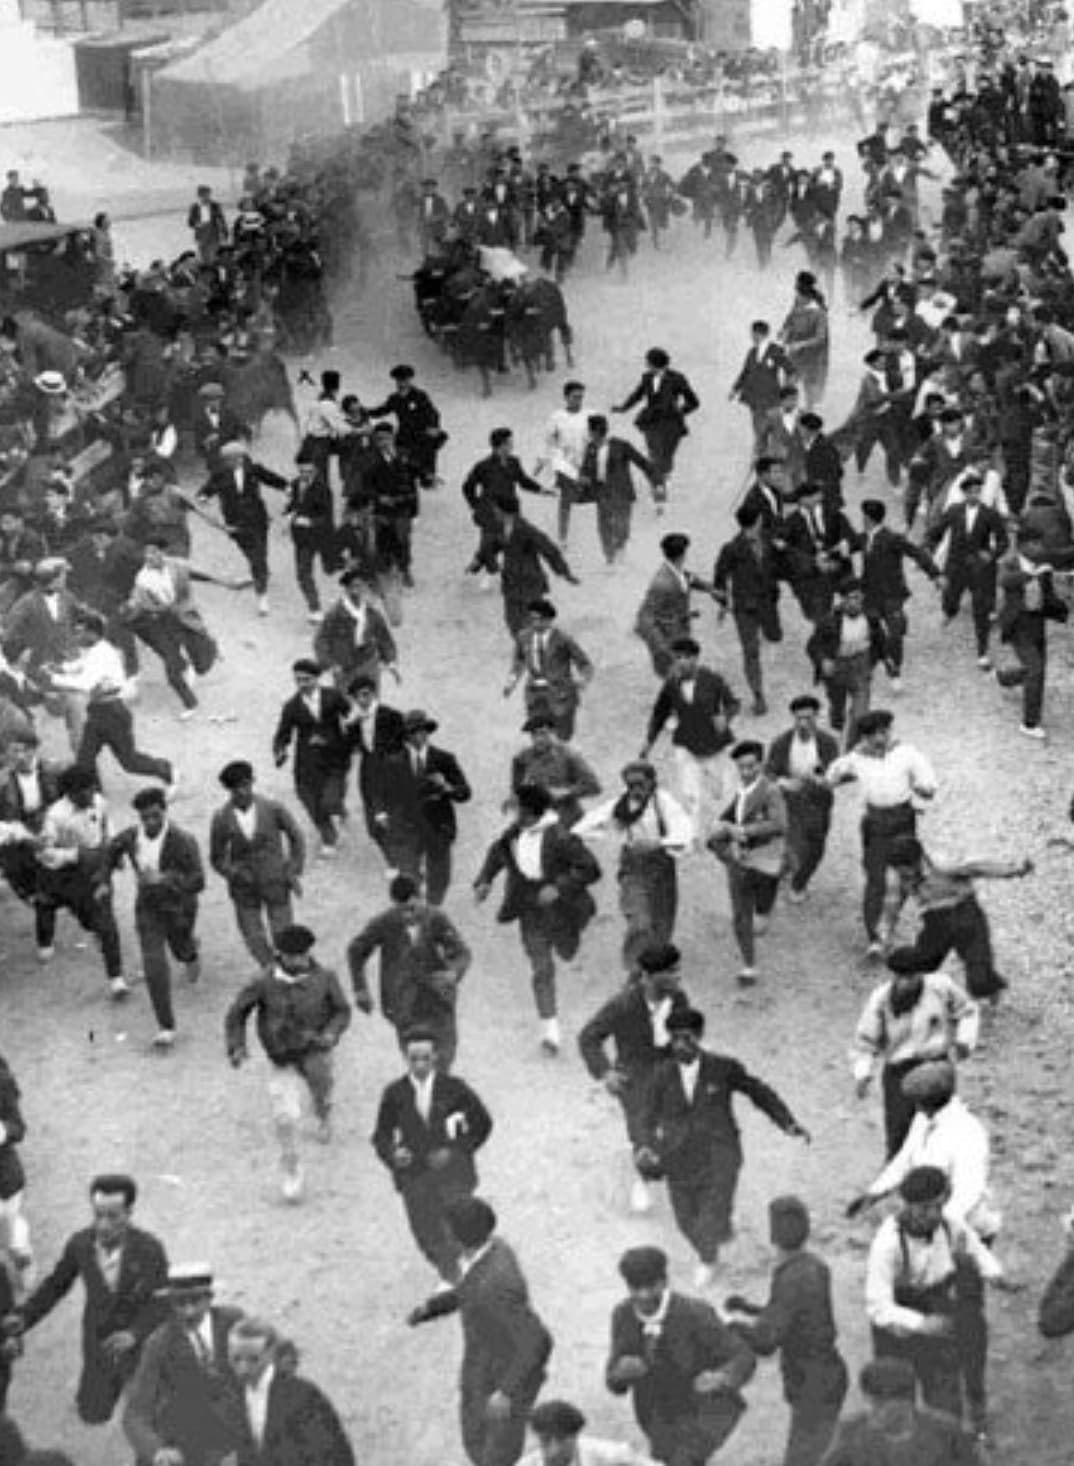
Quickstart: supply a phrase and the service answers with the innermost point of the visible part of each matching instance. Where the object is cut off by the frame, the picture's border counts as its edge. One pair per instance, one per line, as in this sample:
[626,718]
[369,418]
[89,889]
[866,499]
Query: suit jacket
[414,414]
[421,966]
[566,863]
[664,614]
[175,1400]
[491,482]
[321,743]
[744,578]
[699,1138]
[695,728]
[104,581]
[764,817]
[389,487]
[259,869]
[182,875]
[665,404]
[458,1122]
[762,376]
[770,505]
[617,485]
[312,504]
[883,574]
[804,543]
[301,1428]
[823,645]
[30,627]
[787,442]
[625,1019]
[137,1305]
[824,465]
[336,647]
[778,766]
[550,673]
[691,1340]
[523,556]
[245,509]
[12,807]
[988,536]
[505,1344]
[425,806]
[183,608]
[12,1175]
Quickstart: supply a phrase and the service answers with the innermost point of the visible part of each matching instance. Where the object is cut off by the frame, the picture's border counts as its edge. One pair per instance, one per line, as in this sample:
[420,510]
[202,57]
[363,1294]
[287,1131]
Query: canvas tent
[291,70]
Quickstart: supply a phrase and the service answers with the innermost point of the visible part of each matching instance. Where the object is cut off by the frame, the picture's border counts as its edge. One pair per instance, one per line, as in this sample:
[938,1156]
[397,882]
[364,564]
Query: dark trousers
[158,932]
[849,689]
[892,617]
[306,555]
[808,823]
[109,724]
[563,709]
[321,793]
[873,431]
[662,440]
[635,1096]
[75,890]
[962,929]
[815,1414]
[935,1362]
[1029,642]
[254,545]
[426,1199]
[613,525]
[703,1205]
[899,1111]
[423,855]
[496,1442]
[753,893]
[251,915]
[980,581]
[177,646]
[879,828]
[648,899]
[751,625]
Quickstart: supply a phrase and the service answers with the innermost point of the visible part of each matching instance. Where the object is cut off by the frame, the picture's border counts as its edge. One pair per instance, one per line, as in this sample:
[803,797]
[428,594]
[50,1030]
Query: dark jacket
[12,1131]
[301,1428]
[987,537]
[797,1321]
[693,1139]
[665,404]
[321,743]
[764,373]
[695,728]
[414,414]
[491,483]
[176,1400]
[823,645]
[664,615]
[1056,1316]
[746,579]
[883,573]
[523,555]
[335,646]
[258,869]
[310,510]
[293,1018]
[182,874]
[421,965]
[550,671]
[936,1440]
[618,481]
[425,806]
[691,1341]
[625,1020]
[245,510]
[566,863]
[458,1122]
[778,766]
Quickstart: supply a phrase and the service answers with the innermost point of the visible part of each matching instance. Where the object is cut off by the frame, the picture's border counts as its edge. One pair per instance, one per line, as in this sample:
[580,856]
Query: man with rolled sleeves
[892,775]
[505,1344]
[797,761]
[430,1125]
[691,1136]
[635,1020]
[797,1322]
[684,1368]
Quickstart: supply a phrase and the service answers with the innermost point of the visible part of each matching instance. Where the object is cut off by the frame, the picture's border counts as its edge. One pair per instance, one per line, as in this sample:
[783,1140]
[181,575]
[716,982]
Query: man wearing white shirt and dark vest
[429,1127]
[167,866]
[692,1138]
[654,831]
[565,443]
[282,1419]
[635,1021]
[749,840]
[915,1016]
[891,775]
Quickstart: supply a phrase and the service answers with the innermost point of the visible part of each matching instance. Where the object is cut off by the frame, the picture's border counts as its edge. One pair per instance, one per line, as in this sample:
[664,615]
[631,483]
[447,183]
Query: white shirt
[804,757]
[423,1095]
[29,790]
[602,463]
[567,439]
[528,845]
[257,1404]
[52,602]
[148,855]
[67,830]
[678,827]
[201,1340]
[659,1013]
[956,1143]
[972,511]
[246,819]
[943,1015]
[359,615]
[157,585]
[109,1264]
[853,636]
[890,780]
[312,701]
[99,671]
[467,1264]
[688,1075]
[930,1262]
[687,688]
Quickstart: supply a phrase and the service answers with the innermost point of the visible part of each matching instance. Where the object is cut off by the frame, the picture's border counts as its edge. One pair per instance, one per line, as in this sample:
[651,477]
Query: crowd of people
[966,392]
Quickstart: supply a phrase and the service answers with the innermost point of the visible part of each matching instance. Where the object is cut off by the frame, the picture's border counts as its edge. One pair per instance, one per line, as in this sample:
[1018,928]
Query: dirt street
[340,1272]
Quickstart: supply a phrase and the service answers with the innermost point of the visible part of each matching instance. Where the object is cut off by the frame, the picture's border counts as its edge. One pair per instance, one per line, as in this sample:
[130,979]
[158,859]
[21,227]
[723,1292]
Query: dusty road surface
[340,1272]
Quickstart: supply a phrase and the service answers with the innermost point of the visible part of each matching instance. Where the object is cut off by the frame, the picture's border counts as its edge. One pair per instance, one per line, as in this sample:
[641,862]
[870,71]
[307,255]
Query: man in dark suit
[683,1367]
[883,578]
[423,959]
[845,648]
[548,872]
[797,761]
[522,552]
[555,668]
[664,616]
[389,491]
[976,538]
[124,1271]
[692,1138]
[434,215]
[430,1125]
[422,786]
[26,791]
[310,510]
[375,732]
[605,476]
[314,721]
[819,539]
[554,767]
[354,639]
[746,582]
[702,705]
[247,840]
[167,866]
[667,400]
[491,482]
[749,841]
[635,1020]
[770,496]
[179,1403]
[281,1419]
[214,423]
[205,219]
[782,436]
[505,1344]
[823,463]
[236,481]
[419,436]
[764,373]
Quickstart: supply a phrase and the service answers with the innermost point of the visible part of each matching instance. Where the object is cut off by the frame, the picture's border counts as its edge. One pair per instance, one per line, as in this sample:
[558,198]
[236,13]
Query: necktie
[538,656]
[204,1357]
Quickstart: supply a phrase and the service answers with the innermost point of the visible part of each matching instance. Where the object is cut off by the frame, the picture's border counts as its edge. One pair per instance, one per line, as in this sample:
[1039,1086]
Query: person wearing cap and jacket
[664,616]
[236,481]
[421,786]
[301,1016]
[797,761]
[354,639]
[247,840]
[551,765]
[555,668]
[749,841]
[798,1323]
[314,722]
[418,434]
